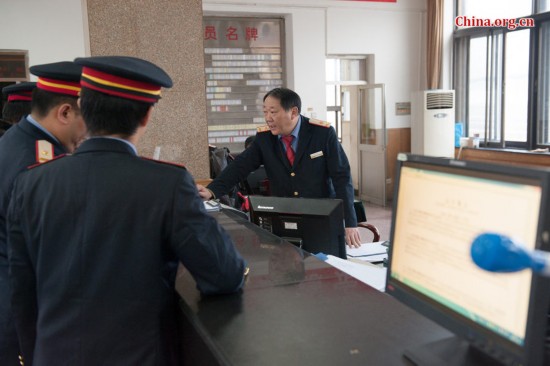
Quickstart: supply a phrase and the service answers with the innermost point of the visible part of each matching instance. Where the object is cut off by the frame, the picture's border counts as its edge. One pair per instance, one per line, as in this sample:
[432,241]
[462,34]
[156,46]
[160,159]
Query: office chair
[362,222]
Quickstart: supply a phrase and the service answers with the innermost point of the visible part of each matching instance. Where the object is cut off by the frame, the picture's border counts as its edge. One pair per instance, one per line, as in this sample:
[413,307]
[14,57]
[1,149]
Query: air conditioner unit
[433,123]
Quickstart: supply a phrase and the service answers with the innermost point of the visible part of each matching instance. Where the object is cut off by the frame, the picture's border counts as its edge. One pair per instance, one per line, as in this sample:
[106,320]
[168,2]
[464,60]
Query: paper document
[369,252]
[373,276]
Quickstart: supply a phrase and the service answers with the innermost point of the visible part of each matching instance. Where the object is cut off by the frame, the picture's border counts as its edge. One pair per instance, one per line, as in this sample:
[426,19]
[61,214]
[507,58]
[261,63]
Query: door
[350,120]
[372,144]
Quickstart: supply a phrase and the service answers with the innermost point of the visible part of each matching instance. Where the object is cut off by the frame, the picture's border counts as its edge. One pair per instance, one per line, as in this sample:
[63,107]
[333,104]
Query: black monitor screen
[314,224]
[440,207]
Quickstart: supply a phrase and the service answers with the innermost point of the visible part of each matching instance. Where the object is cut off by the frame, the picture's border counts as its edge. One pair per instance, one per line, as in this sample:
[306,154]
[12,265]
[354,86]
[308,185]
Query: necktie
[287,140]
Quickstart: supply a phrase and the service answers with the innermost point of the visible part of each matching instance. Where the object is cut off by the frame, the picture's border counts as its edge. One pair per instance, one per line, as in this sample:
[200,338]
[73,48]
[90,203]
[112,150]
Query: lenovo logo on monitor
[260,207]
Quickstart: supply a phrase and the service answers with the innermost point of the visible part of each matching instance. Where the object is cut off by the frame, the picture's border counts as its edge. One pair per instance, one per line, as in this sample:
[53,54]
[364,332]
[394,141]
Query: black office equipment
[440,206]
[314,224]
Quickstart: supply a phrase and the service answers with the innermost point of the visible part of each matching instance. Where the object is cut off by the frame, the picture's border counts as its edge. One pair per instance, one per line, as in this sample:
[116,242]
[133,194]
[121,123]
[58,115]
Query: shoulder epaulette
[262,129]
[164,162]
[47,161]
[43,151]
[318,122]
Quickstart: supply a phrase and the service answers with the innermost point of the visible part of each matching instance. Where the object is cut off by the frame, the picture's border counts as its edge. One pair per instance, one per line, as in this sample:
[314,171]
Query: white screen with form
[438,216]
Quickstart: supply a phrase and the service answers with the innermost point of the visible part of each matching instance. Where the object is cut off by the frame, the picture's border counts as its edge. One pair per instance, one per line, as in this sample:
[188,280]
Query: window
[344,70]
[501,71]
[477,98]
[516,81]
[543,107]
[333,94]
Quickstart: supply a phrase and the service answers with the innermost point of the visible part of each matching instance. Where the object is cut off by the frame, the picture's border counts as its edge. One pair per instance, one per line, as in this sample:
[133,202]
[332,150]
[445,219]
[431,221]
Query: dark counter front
[295,310]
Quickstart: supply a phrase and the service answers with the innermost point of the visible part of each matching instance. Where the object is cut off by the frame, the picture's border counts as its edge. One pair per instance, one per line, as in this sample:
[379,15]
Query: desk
[295,310]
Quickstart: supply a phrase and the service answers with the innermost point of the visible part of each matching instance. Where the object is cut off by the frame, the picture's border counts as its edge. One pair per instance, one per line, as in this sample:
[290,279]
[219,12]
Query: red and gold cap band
[21,96]
[59,86]
[119,86]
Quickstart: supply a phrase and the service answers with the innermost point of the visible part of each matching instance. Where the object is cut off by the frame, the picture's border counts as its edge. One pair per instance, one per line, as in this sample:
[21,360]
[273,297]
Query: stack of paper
[369,252]
[373,276]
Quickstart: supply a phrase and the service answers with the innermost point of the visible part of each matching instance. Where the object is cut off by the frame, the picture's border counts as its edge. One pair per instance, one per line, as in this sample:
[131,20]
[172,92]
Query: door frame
[373,150]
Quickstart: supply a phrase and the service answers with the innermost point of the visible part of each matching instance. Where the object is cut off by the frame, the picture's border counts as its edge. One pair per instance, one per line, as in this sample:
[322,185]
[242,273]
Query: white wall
[393,32]
[52,30]
[395,40]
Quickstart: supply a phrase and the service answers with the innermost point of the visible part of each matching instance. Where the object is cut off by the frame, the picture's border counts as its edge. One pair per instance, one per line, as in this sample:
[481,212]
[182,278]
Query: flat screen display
[441,207]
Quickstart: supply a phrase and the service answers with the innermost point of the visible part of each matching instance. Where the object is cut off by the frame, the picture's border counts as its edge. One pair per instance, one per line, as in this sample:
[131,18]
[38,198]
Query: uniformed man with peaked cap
[20,91]
[54,127]
[18,103]
[302,158]
[101,266]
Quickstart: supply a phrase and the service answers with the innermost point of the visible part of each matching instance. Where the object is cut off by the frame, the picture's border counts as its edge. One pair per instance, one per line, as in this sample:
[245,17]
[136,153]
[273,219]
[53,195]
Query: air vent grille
[441,100]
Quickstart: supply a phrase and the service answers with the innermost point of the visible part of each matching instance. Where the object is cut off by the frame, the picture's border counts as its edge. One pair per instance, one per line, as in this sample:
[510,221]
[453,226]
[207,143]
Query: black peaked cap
[128,67]
[64,70]
[25,86]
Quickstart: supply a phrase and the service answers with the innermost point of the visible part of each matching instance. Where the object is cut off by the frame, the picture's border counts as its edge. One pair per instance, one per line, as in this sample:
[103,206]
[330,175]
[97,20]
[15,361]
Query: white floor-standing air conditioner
[433,123]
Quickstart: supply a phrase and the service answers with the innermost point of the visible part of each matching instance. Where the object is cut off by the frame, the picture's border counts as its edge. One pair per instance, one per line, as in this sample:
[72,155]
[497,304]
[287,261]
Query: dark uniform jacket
[321,168]
[17,152]
[94,243]
[4,126]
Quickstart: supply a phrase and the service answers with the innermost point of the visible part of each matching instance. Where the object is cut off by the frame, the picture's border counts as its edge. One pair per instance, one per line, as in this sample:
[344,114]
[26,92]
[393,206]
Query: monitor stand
[453,351]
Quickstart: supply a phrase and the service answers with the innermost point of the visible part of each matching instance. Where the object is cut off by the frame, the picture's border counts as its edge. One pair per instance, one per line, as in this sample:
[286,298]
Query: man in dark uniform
[302,158]
[53,128]
[95,238]
[18,103]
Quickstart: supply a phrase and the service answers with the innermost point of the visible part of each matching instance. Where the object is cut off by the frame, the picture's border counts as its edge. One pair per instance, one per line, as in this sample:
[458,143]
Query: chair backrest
[219,159]
[362,221]
[360,211]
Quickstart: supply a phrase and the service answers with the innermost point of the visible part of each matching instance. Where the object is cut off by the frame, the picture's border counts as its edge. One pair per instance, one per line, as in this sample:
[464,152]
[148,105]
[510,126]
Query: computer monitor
[314,224]
[440,206]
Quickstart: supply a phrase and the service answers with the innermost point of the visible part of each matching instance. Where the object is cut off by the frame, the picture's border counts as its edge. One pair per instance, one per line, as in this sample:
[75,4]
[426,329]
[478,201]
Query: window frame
[496,57]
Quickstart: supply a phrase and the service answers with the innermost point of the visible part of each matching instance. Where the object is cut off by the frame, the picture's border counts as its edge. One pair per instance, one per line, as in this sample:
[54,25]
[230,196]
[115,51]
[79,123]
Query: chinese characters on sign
[243,61]
[210,32]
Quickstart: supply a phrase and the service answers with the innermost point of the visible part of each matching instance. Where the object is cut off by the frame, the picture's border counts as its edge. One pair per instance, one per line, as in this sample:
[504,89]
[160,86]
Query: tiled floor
[380,217]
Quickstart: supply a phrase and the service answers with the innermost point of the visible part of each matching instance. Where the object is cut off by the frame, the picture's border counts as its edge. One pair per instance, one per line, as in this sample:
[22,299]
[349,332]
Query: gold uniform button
[292,174]
[295,193]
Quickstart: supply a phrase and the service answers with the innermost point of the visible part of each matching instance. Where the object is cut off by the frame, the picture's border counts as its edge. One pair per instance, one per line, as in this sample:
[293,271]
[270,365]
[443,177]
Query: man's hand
[205,193]
[353,239]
